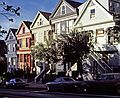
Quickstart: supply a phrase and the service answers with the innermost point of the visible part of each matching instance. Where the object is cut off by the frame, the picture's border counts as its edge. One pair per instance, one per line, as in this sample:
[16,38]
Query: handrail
[98,63]
[39,76]
[98,56]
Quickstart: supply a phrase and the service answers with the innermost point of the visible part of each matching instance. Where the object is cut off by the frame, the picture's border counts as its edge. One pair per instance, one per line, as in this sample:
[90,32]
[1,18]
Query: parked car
[63,84]
[15,82]
[104,82]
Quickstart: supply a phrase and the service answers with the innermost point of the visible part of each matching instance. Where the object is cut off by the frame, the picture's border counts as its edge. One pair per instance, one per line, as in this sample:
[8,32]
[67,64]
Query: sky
[28,10]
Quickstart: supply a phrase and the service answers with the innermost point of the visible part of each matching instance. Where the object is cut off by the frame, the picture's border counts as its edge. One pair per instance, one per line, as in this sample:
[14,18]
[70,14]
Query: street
[25,93]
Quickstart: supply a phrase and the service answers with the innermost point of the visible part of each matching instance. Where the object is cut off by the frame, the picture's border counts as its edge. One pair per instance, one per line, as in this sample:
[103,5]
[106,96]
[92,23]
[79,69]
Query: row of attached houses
[92,16]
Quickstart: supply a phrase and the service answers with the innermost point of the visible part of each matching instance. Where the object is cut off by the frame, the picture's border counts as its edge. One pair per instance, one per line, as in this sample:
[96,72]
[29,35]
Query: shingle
[46,14]
[74,4]
[27,23]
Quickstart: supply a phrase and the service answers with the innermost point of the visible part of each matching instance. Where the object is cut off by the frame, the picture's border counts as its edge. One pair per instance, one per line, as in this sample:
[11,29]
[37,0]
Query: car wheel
[49,88]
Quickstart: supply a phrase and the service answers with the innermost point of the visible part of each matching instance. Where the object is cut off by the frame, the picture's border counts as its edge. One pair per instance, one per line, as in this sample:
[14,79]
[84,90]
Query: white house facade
[95,17]
[64,15]
[63,18]
[11,55]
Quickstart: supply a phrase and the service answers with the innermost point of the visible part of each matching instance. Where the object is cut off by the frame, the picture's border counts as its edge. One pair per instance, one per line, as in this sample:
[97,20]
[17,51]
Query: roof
[27,23]
[85,7]
[45,14]
[74,4]
[13,31]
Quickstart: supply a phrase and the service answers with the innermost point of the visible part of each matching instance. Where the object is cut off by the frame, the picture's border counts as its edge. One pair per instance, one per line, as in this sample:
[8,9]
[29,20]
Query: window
[23,30]
[20,43]
[41,21]
[63,27]
[99,31]
[92,13]
[26,58]
[63,10]
[10,37]
[12,61]
[21,56]
[38,23]
[14,46]
[27,42]
[8,47]
[50,35]
[45,37]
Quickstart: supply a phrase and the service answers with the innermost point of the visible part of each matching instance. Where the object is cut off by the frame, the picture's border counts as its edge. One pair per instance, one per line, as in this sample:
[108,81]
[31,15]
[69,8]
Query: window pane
[92,13]
[63,9]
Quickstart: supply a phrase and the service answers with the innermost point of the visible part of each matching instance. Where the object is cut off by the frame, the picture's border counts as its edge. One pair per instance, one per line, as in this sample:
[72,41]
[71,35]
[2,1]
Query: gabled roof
[85,7]
[11,30]
[27,23]
[72,3]
[45,14]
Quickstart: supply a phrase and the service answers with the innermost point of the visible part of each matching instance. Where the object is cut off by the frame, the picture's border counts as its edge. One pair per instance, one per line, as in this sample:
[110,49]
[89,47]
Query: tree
[113,34]
[73,48]
[7,11]
[45,52]
[70,48]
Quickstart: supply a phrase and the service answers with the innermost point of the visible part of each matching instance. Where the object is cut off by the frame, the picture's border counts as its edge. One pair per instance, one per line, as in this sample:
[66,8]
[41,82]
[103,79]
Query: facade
[24,37]
[91,18]
[11,43]
[95,17]
[42,31]
[63,17]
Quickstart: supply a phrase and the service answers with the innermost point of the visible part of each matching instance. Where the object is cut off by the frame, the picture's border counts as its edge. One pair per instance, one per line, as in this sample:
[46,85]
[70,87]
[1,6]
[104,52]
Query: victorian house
[64,15]
[63,18]
[95,18]
[24,37]
[11,55]
[43,31]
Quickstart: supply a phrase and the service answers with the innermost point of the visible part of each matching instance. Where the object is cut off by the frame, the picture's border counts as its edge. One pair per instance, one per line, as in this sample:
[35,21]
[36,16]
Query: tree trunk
[64,63]
[79,68]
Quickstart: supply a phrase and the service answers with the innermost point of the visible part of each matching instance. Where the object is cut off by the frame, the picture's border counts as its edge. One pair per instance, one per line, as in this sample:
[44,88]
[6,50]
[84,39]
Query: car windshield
[68,79]
[104,77]
[19,80]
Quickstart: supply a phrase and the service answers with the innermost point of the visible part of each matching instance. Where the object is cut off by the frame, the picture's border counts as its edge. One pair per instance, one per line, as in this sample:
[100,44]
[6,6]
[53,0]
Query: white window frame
[41,21]
[63,10]
[91,15]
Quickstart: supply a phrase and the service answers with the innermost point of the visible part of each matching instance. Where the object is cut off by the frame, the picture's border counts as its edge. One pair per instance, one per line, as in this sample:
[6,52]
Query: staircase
[86,68]
[40,76]
[102,67]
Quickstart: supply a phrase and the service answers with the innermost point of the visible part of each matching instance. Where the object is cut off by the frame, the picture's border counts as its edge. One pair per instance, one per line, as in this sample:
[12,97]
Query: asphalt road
[21,93]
